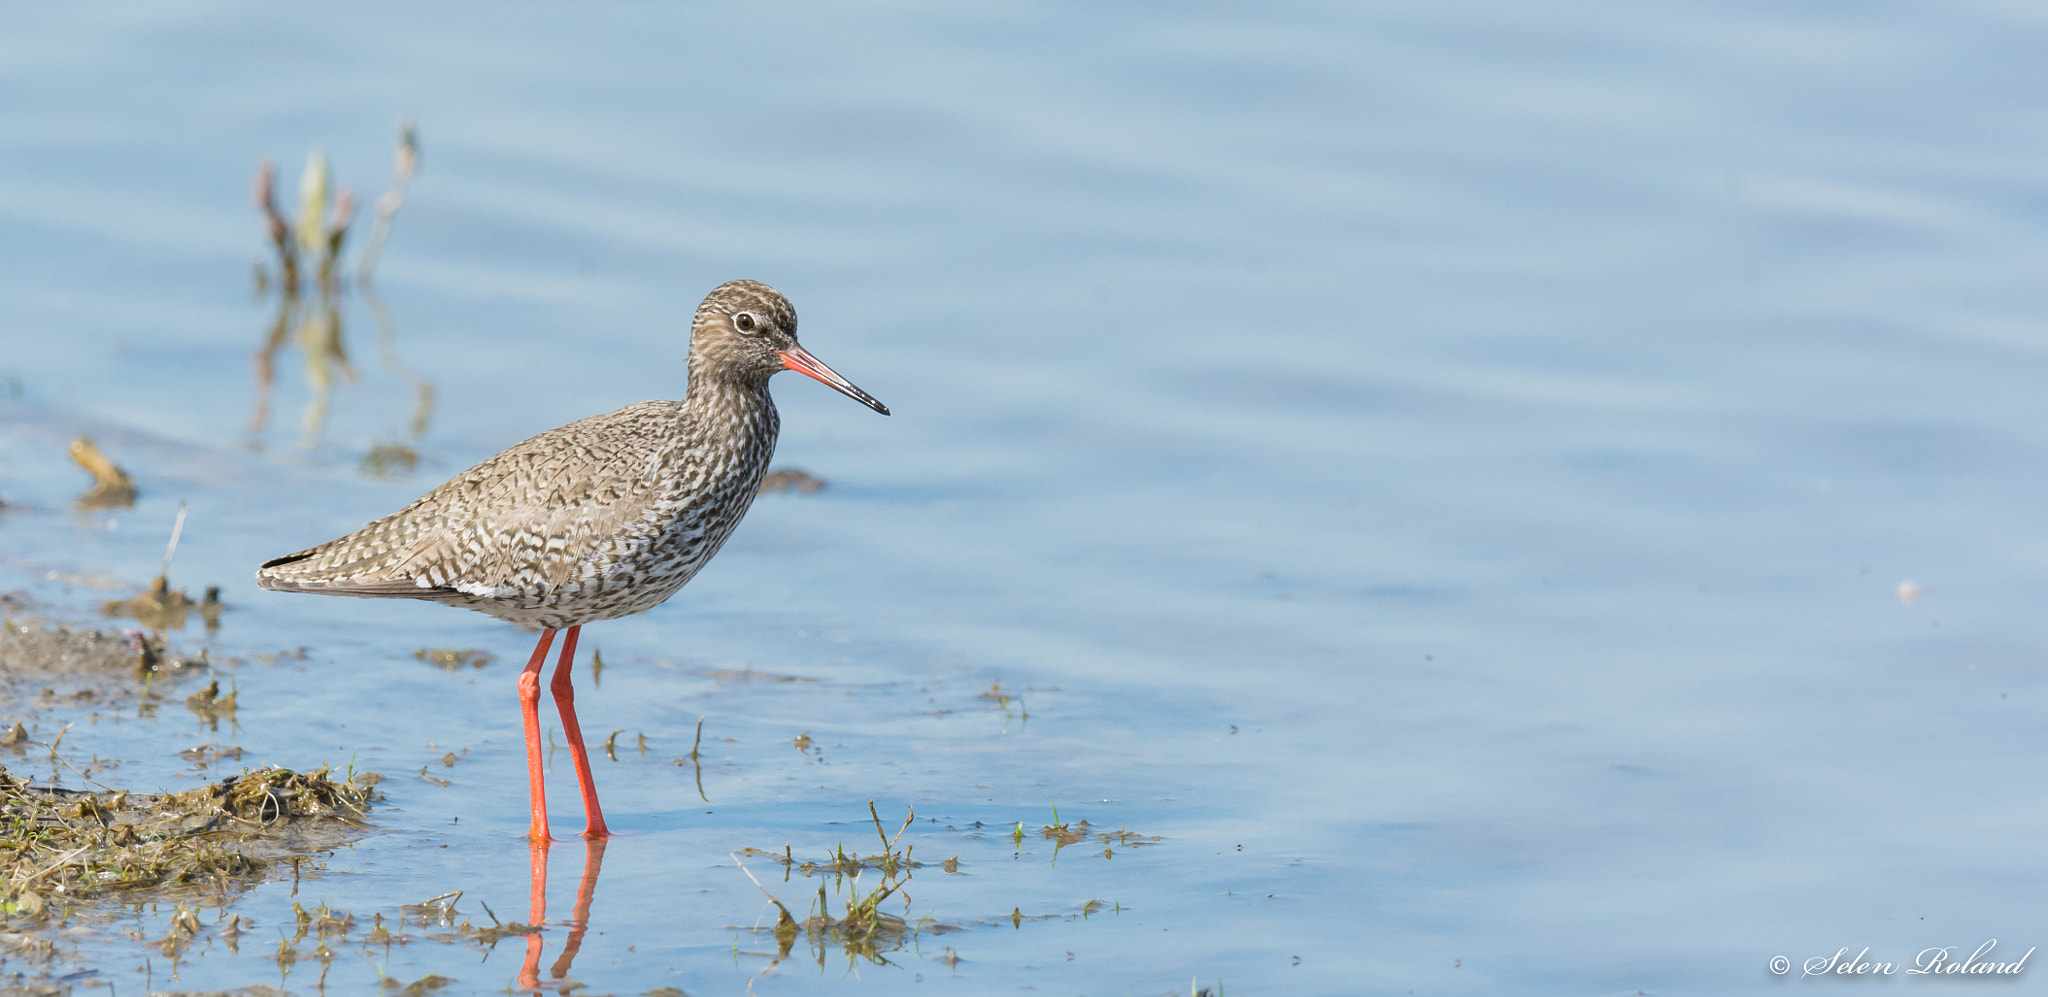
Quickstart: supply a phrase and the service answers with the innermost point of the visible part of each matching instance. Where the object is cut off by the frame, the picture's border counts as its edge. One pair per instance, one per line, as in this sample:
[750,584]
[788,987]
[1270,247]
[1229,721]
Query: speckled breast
[647,561]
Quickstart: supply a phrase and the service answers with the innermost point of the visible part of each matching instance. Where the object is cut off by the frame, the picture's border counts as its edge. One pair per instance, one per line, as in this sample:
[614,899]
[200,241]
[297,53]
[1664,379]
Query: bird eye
[744,321]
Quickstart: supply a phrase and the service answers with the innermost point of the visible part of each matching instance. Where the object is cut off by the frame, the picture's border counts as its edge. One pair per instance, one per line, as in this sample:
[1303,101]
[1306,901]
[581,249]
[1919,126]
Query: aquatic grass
[1011,705]
[862,930]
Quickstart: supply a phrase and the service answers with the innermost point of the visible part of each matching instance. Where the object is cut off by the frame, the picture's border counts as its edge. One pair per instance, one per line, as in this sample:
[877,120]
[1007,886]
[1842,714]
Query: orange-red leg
[529,707]
[565,699]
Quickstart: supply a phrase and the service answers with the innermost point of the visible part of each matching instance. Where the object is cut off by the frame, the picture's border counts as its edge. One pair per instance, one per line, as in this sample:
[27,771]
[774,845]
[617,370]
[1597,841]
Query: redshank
[602,518]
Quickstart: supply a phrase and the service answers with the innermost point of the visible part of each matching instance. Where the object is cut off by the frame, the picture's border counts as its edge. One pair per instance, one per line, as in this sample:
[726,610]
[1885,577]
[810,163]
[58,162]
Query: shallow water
[1445,470]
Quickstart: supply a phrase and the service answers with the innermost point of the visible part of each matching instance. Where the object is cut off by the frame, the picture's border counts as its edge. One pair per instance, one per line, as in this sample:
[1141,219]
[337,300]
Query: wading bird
[602,518]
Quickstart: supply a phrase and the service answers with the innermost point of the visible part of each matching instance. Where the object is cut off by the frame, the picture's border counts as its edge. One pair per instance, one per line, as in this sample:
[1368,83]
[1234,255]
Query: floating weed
[1064,834]
[389,461]
[1016,918]
[328,923]
[211,706]
[439,910]
[498,931]
[451,660]
[1011,705]
[790,479]
[427,984]
[861,929]
[324,933]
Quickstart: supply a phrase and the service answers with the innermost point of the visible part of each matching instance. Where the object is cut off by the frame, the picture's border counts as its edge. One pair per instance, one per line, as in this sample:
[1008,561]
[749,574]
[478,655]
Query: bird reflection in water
[310,285]
[579,916]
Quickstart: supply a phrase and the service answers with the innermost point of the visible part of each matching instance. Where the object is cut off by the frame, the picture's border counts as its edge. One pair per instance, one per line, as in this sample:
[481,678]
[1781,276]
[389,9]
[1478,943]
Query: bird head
[747,330]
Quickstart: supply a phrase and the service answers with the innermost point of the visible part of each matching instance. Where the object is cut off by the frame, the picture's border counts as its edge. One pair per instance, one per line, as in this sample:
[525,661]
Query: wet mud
[73,858]
[84,853]
[160,607]
[47,665]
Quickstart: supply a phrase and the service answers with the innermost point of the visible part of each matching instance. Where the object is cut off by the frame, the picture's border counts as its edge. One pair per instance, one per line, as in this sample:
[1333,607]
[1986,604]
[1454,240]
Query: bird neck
[715,400]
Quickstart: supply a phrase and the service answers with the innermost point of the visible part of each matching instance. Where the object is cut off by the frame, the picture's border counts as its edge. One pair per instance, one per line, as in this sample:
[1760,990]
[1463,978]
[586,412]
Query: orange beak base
[798,359]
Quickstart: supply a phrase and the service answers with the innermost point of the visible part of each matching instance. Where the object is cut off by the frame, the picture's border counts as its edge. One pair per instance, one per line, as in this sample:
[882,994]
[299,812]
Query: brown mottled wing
[523,519]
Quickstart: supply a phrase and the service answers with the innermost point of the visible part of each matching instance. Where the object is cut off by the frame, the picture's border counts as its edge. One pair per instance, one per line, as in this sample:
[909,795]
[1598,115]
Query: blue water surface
[1514,498]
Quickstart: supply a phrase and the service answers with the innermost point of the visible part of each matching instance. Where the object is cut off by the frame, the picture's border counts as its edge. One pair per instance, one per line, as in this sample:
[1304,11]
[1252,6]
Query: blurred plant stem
[311,245]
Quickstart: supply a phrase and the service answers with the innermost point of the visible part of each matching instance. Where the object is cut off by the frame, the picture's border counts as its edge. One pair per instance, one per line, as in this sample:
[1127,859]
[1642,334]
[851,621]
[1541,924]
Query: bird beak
[798,359]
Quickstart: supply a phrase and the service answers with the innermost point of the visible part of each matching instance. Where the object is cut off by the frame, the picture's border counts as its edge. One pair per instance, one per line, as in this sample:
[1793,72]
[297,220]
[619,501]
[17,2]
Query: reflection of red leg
[529,971]
[529,707]
[565,698]
[579,921]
